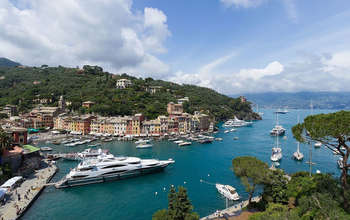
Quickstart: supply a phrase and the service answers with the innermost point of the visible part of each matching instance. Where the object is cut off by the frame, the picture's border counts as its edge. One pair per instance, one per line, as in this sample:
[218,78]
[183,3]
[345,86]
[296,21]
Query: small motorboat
[46,149]
[318,144]
[235,138]
[56,142]
[140,146]
[185,143]
[218,139]
[228,191]
[340,163]
[94,145]
[227,131]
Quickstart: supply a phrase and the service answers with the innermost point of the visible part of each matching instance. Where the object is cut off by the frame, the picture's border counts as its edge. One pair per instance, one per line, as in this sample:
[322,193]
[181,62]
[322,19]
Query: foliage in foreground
[333,131]
[251,171]
[179,207]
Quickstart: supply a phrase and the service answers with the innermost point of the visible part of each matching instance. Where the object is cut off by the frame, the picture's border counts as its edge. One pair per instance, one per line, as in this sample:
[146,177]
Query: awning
[11,182]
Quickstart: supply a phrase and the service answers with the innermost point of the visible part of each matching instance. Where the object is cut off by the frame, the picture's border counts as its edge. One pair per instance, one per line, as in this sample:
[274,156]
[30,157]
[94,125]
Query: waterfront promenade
[23,196]
[230,211]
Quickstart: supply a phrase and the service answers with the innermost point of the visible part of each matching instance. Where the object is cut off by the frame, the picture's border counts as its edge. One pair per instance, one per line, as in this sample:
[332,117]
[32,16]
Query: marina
[194,162]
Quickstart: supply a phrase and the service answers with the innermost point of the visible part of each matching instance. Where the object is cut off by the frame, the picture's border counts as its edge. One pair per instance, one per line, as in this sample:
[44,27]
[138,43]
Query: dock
[231,211]
[22,197]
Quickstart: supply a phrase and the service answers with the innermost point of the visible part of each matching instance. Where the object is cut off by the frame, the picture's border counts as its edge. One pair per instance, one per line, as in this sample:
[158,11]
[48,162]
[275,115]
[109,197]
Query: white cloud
[242,3]
[338,64]
[289,6]
[77,32]
[325,72]
[271,69]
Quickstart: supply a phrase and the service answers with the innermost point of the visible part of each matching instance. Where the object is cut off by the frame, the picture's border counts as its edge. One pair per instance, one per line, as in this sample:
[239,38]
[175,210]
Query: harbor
[22,197]
[211,162]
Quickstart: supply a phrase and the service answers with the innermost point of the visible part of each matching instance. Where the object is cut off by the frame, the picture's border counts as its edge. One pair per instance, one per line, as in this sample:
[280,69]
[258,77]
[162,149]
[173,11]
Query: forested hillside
[4,62]
[23,85]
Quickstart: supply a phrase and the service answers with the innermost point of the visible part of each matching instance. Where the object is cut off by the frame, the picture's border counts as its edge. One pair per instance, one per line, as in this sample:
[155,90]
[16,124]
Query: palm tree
[5,140]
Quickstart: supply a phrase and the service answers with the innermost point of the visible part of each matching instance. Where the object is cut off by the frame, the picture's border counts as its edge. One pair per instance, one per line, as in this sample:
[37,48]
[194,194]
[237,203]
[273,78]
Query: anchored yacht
[228,191]
[297,154]
[108,168]
[276,152]
[278,130]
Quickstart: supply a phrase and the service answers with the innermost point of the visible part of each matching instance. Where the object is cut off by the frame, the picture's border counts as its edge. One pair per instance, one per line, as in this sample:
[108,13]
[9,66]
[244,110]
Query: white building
[123,83]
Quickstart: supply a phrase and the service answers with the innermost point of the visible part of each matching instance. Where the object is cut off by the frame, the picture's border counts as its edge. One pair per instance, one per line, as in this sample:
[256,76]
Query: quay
[22,197]
[234,210]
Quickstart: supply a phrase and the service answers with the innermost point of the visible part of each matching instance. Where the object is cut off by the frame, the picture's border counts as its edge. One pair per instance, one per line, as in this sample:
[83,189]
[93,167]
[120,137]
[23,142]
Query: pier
[230,211]
[22,197]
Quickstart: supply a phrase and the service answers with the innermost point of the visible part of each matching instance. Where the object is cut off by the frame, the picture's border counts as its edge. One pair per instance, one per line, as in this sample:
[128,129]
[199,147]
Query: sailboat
[278,130]
[257,110]
[276,152]
[297,154]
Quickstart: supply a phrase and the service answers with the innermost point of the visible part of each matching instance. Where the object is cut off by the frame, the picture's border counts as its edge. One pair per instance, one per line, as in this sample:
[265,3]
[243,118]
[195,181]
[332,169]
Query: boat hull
[111,177]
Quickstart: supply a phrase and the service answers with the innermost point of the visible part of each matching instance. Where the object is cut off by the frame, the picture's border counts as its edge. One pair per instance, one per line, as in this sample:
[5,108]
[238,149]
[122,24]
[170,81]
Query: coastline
[232,211]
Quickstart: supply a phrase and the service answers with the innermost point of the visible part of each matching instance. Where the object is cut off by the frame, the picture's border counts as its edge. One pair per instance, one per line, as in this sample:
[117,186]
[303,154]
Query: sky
[232,46]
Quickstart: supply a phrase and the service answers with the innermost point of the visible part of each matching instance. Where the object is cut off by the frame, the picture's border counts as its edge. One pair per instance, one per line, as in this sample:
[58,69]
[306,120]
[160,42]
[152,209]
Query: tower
[62,103]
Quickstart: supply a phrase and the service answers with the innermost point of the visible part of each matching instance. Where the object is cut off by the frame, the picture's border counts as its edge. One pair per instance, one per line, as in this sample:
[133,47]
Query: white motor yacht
[318,144]
[228,191]
[278,130]
[141,141]
[108,168]
[185,143]
[276,154]
[144,146]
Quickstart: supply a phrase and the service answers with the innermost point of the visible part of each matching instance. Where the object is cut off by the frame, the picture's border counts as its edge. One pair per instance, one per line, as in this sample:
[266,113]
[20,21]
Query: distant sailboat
[276,152]
[297,154]
[257,110]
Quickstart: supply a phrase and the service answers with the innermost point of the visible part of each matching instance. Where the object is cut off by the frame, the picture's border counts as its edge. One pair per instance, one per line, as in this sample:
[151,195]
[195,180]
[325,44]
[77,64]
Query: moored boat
[185,143]
[228,191]
[144,146]
[108,168]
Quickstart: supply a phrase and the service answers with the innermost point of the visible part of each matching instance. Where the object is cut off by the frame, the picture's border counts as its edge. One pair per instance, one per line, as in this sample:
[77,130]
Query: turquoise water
[136,198]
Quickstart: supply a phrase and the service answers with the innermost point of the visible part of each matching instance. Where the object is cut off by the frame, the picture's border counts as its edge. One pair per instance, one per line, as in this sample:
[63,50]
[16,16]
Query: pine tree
[179,207]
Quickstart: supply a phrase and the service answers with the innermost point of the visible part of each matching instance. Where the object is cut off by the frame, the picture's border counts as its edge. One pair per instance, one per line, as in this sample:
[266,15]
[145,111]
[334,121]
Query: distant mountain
[4,62]
[322,100]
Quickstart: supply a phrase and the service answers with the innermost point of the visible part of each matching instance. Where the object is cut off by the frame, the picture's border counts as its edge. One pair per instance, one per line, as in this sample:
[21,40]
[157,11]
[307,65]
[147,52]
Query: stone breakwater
[22,197]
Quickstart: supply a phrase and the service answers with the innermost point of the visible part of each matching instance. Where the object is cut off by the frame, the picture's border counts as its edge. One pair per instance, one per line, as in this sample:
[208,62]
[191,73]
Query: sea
[197,167]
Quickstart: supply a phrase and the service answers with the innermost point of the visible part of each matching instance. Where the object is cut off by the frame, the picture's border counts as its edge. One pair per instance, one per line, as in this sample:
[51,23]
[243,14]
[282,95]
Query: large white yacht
[236,123]
[278,130]
[108,167]
[228,191]
[276,154]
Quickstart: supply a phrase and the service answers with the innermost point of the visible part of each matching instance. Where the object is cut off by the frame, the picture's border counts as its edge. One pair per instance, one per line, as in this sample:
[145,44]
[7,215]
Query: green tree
[179,207]
[252,172]
[5,140]
[275,189]
[333,131]
[275,211]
